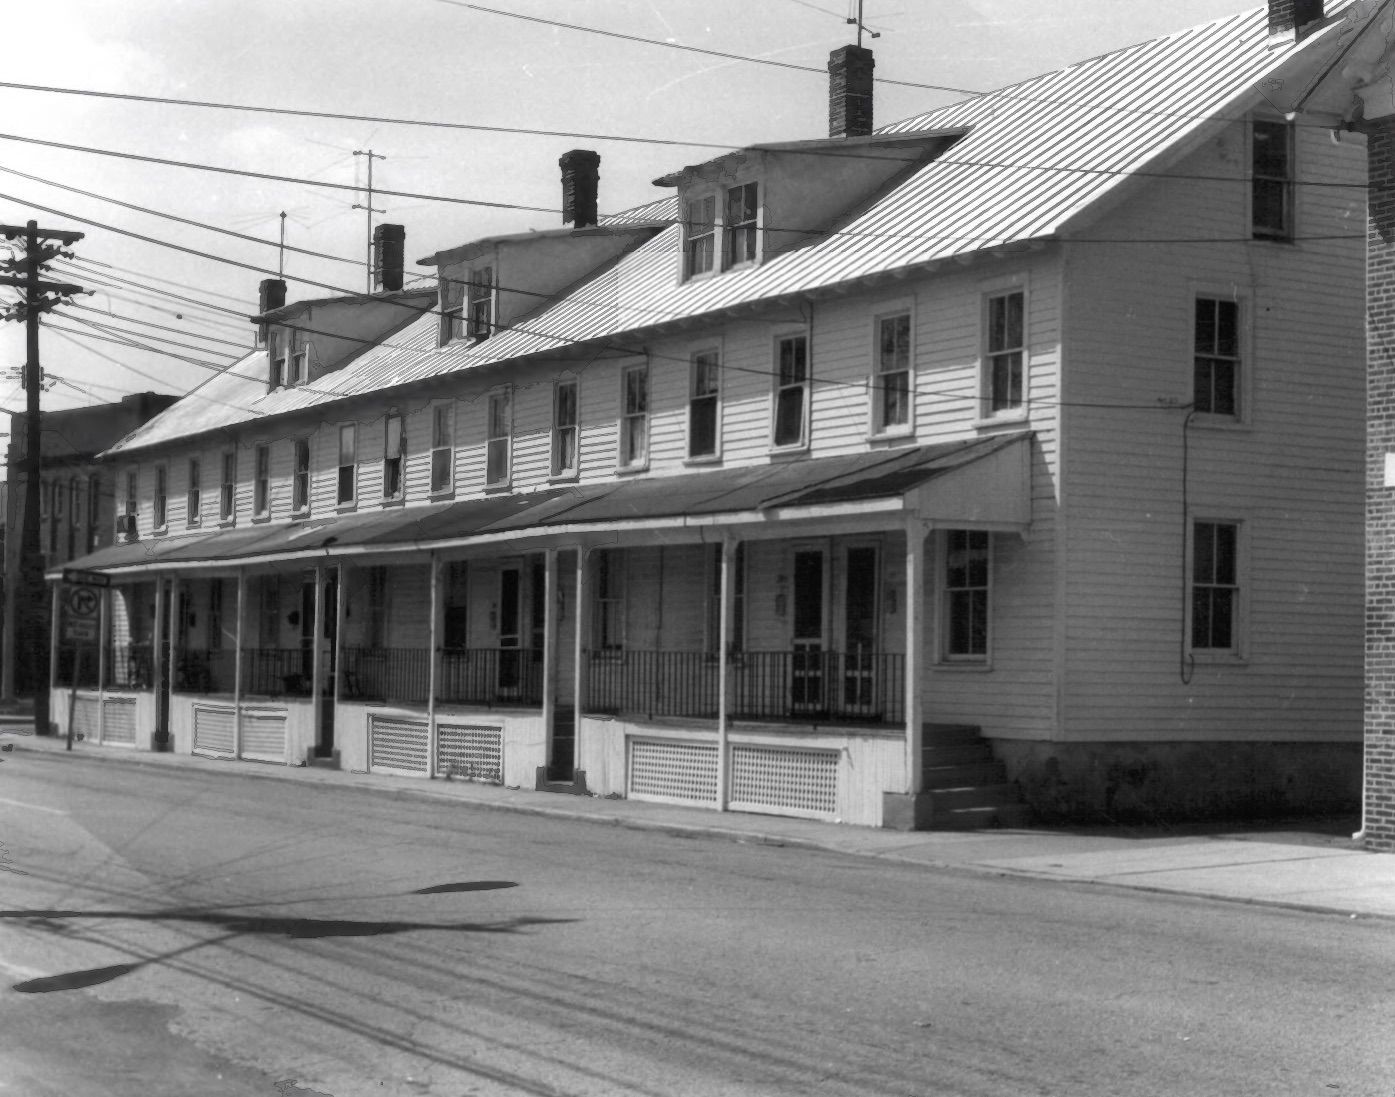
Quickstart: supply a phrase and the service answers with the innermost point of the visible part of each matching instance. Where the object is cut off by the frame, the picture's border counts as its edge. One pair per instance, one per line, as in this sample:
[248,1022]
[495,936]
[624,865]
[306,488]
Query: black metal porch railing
[491,676]
[853,687]
[384,674]
[71,671]
[200,671]
[278,672]
[129,666]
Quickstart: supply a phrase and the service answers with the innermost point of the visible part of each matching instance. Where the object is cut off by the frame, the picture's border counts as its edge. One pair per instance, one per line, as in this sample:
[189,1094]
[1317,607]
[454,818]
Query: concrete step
[985,817]
[961,754]
[974,796]
[963,774]
[949,734]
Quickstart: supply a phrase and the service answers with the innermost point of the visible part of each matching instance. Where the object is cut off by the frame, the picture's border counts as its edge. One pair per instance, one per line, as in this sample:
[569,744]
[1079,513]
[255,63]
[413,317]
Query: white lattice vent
[773,779]
[84,718]
[264,736]
[213,730]
[474,753]
[395,743]
[683,772]
[119,721]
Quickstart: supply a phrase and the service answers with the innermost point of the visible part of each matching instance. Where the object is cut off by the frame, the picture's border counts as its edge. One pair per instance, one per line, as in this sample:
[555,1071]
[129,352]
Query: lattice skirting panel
[213,730]
[84,718]
[397,744]
[781,781]
[475,753]
[684,773]
[119,722]
[264,736]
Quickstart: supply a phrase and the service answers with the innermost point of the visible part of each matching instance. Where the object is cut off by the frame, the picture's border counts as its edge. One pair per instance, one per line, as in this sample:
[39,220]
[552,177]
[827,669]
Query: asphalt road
[181,932]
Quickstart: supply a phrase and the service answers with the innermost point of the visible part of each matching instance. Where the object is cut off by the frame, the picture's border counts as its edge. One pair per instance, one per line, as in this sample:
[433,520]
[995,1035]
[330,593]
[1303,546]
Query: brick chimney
[580,181]
[389,242]
[271,294]
[850,92]
[1297,16]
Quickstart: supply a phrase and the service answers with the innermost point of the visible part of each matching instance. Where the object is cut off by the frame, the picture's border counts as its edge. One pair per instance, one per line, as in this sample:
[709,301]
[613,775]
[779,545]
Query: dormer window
[701,224]
[721,229]
[290,359]
[276,351]
[479,317]
[739,227]
[300,361]
[452,310]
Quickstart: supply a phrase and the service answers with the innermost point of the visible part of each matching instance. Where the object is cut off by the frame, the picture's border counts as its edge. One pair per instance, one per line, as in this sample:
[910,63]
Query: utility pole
[41,246]
[369,207]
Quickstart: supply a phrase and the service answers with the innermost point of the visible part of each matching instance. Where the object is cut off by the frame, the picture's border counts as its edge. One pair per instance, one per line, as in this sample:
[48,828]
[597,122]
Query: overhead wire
[162,327]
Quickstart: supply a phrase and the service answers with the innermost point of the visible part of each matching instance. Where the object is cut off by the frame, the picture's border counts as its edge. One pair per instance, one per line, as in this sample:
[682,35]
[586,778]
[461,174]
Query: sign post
[82,606]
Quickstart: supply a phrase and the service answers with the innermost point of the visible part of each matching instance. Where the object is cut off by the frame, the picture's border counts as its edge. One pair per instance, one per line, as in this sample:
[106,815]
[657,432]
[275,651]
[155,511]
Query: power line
[126,342]
[243,347]
[238,299]
[114,281]
[165,327]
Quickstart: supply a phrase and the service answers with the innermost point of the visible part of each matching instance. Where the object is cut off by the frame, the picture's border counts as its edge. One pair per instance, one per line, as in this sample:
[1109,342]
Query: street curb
[270,771]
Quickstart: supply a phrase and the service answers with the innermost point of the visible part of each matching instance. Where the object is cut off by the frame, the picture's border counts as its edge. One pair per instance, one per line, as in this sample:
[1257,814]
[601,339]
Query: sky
[492,64]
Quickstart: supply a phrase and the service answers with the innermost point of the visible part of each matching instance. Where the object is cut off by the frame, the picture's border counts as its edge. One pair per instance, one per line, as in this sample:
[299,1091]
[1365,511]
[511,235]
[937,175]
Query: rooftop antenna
[861,27]
[369,208]
[281,252]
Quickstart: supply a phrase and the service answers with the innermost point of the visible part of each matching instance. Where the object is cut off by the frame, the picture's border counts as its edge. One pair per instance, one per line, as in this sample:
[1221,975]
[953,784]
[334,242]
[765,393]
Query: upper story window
[1271,180]
[790,428]
[132,483]
[394,456]
[300,477]
[277,353]
[346,487]
[565,429]
[299,367]
[700,226]
[739,226]
[57,489]
[227,496]
[498,438]
[891,380]
[452,294]
[634,416]
[1216,365]
[261,483]
[1004,355]
[479,318]
[442,448]
[74,502]
[161,501]
[193,504]
[704,404]
[94,509]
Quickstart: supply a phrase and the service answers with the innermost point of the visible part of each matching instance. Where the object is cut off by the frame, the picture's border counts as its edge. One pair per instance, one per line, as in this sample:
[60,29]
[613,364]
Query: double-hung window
[966,591]
[498,438]
[452,294]
[94,509]
[704,404]
[1215,586]
[298,369]
[193,506]
[608,624]
[1271,180]
[394,456]
[276,352]
[161,511]
[300,478]
[1216,364]
[132,500]
[261,481]
[700,228]
[480,303]
[565,429]
[1004,353]
[739,226]
[634,416]
[442,448]
[891,380]
[227,498]
[346,486]
[790,428]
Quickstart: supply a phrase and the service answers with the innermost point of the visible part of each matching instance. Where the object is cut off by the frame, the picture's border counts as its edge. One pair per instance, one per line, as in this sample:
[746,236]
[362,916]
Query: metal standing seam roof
[1035,157]
[823,481]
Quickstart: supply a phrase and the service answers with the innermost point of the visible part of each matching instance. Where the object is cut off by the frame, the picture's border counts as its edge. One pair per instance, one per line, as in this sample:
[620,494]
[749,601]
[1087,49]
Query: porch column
[723,659]
[581,617]
[237,662]
[340,592]
[549,652]
[915,643]
[158,668]
[55,616]
[317,661]
[103,637]
[175,628]
[433,666]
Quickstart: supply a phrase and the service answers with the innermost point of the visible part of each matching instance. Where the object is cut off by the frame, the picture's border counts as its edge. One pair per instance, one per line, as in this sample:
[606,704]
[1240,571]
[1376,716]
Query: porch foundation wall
[1113,782]
[142,707]
[522,733]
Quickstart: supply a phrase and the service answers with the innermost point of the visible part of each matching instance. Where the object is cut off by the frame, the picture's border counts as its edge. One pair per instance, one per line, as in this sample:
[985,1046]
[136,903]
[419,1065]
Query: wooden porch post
[340,593]
[915,643]
[723,660]
[579,684]
[237,661]
[549,652]
[158,667]
[55,617]
[174,626]
[317,662]
[433,635]
[103,624]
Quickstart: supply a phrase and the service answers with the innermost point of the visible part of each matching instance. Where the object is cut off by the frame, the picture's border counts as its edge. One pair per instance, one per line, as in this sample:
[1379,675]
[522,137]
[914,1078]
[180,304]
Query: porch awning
[983,482]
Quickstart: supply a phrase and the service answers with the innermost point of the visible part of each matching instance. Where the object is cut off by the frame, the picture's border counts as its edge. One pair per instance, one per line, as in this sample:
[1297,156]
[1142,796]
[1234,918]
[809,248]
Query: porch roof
[980,481]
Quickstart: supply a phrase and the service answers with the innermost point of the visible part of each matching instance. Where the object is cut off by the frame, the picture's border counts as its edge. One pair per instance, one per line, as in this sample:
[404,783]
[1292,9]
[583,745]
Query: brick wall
[1380,500]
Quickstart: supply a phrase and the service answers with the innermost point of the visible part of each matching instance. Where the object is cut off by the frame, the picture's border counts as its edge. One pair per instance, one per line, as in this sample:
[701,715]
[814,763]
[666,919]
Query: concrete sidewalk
[1304,865]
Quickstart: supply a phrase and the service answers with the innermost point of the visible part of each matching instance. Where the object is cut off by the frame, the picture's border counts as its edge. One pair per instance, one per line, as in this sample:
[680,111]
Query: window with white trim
[261,480]
[739,236]
[565,429]
[891,379]
[705,404]
[791,419]
[966,594]
[132,497]
[276,353]
[394,455]
[608,618]
[479,311]
[300,477]
[1215,601]
[94,510]
[299,368]
[700,235]
[161,501]
[452,299]
[346,484]
[634,416]
[1004,353]
[193,503]
[1271,179]
[227,500]
[1216,363]
[498,438]
[442,448]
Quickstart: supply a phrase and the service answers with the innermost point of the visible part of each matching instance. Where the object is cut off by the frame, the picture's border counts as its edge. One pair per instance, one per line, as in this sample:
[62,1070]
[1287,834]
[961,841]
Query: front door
[806,668]
[860,632]
[510,632]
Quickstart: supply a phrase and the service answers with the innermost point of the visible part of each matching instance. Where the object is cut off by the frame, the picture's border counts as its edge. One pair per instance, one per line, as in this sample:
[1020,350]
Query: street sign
[83,577]
[83,602]
[79,630]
